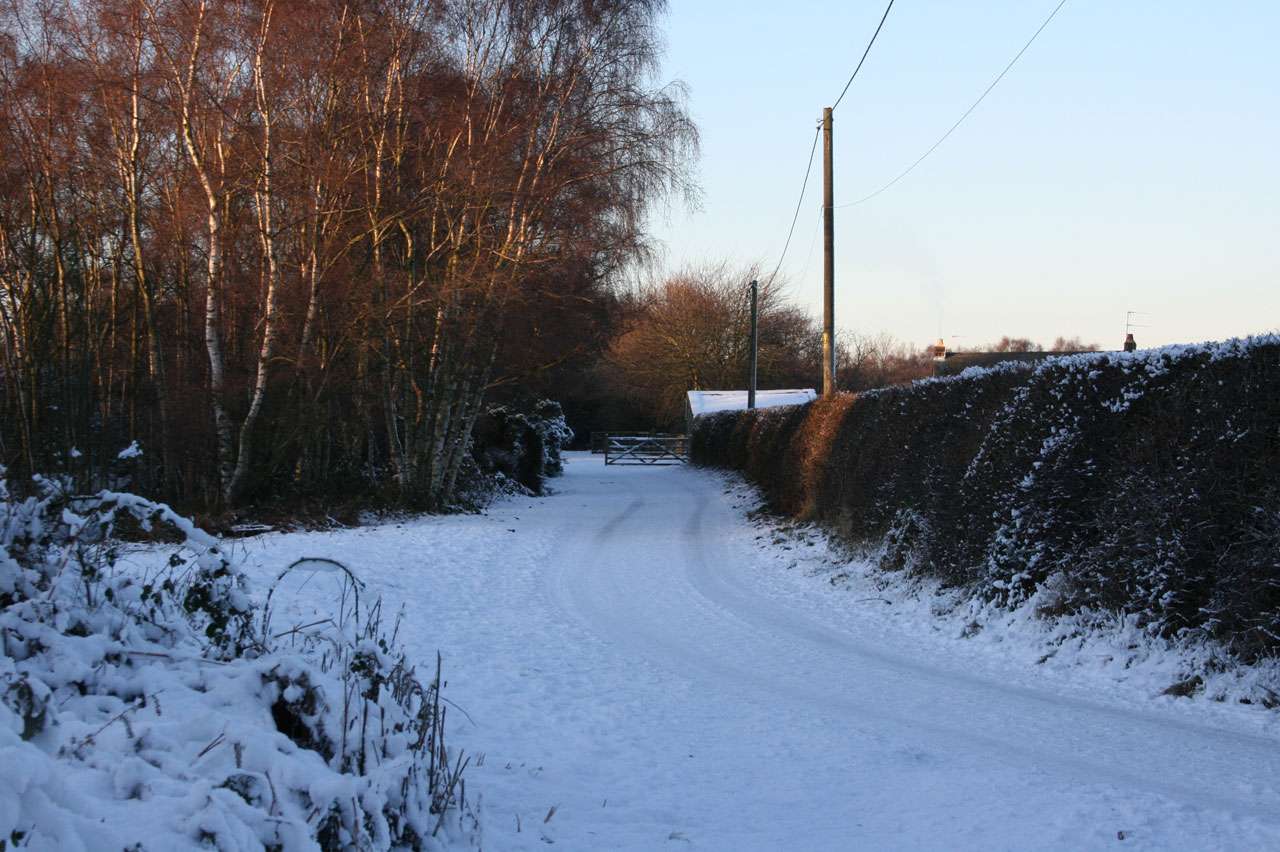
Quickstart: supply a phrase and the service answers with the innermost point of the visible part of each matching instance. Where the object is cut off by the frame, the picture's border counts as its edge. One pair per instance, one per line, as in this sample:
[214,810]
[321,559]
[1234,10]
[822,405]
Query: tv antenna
[1129,323]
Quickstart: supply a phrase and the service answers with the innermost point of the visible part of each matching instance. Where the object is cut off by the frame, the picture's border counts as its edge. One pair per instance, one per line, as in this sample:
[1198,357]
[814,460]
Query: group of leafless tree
[278,242]
[692,331]
[1024,344]
[869,361]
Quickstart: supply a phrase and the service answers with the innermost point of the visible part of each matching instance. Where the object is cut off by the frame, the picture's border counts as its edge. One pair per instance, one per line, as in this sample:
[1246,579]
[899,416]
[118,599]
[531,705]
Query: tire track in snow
[661,578]
[811,652]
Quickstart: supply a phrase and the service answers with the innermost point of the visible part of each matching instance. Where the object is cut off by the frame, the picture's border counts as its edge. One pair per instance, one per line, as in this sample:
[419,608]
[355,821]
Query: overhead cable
[799,202]
[864,56]
[966,114]
[817,132]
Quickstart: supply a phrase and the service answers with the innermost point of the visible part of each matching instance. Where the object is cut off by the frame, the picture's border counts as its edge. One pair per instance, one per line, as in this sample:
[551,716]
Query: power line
[966,114]
[817,132]
[864,56]
[813,241]
[804,186]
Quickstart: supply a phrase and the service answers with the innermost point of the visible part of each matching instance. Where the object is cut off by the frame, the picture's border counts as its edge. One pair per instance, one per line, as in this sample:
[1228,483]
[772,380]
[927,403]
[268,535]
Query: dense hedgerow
[1144,482]
[159,708]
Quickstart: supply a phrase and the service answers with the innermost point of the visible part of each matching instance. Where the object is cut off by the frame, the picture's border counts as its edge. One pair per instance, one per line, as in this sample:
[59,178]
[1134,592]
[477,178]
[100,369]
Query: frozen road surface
[637,665]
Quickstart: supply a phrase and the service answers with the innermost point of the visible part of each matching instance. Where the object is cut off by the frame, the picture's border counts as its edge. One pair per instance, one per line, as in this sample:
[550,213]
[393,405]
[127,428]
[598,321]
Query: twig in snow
[119,717]
[302,627]
[460,710]
[217,741]
[449,786]
[177,658]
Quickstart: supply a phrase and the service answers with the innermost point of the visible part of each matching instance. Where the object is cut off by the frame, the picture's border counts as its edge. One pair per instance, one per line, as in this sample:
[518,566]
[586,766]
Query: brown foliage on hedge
[807,455]
[1143,482]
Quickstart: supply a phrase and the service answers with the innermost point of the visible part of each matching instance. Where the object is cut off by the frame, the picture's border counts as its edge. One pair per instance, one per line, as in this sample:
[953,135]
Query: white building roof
[705,402]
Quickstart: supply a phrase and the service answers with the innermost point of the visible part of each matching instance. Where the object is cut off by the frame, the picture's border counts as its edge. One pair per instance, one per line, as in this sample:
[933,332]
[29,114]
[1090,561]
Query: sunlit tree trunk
[265,200]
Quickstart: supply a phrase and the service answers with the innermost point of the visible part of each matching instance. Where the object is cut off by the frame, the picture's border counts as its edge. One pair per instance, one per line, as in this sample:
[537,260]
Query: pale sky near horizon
[1127,162]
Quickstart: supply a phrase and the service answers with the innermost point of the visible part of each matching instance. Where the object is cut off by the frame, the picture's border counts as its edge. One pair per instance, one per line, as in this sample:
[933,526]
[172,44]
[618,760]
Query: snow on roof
[705,402]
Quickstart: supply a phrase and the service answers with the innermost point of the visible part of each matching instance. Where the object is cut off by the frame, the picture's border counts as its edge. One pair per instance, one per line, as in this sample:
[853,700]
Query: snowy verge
[155,707]
[1108,654]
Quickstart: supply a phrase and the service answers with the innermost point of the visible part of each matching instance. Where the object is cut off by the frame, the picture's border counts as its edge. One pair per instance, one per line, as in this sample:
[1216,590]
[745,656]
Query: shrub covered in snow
[156,708]
[548,421]
[521,447]
[1145,483]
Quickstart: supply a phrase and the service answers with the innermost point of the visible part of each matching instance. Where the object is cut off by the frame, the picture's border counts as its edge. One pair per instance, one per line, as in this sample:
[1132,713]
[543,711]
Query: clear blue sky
[1130,160]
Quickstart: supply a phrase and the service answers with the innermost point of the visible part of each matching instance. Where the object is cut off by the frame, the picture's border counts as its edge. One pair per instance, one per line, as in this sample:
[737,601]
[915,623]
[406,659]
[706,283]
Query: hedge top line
[1155,361]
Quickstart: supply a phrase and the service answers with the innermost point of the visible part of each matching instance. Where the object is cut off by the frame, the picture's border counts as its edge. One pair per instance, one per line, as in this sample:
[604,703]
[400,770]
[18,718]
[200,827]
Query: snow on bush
[159,709]
[520,449]
[548,420]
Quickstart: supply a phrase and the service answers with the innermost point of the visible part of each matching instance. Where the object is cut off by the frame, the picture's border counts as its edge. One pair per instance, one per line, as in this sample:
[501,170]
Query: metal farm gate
[645,449]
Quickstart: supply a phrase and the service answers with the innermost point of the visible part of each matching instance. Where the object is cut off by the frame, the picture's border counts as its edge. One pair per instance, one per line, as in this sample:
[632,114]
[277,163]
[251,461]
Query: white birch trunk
[265,199]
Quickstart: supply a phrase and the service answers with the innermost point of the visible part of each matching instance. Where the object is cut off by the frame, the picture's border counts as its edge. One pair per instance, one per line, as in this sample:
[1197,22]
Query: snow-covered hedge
[157,708]
[1143,483]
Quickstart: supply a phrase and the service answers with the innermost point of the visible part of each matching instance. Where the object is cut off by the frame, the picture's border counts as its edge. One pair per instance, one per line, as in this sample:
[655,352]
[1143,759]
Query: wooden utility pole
[828,263]
[755,343]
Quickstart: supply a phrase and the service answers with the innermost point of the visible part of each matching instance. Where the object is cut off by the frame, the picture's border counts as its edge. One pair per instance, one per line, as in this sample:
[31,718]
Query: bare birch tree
[279,241]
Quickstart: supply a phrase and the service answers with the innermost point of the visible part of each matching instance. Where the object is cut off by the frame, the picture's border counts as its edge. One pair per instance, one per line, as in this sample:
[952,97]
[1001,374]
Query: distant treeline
[1145,482]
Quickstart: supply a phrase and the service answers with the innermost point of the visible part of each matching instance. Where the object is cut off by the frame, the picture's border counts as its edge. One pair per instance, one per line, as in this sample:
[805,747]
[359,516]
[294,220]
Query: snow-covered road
[641,669]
